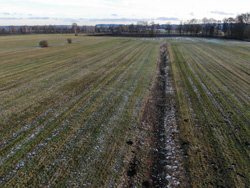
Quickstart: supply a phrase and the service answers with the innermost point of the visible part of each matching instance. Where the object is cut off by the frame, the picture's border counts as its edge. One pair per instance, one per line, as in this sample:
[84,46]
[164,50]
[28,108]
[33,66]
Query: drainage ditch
[160,117]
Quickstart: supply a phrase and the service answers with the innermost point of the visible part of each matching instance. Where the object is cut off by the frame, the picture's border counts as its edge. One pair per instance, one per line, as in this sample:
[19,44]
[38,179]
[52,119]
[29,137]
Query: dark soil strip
[162,166]
[159,140]
[167,169]
[169,157]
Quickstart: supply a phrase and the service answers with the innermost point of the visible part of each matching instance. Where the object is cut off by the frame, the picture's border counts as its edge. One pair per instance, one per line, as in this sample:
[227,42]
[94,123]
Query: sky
[92,12]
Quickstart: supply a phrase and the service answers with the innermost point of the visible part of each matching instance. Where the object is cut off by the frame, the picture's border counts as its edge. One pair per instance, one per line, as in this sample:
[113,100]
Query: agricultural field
[212,80]
[124,112]
[26,42]
[68,111]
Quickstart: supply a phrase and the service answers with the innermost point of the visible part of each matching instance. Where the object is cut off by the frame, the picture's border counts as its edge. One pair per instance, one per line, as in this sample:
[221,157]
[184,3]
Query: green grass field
[213,86]
[67,111]
[15,42]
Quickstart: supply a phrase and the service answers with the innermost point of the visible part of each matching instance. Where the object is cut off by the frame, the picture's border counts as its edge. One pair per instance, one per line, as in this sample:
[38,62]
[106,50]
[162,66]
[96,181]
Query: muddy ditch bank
[157,158]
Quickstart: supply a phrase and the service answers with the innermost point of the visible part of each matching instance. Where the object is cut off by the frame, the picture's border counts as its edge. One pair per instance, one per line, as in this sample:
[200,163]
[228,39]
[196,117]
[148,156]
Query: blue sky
[83,12]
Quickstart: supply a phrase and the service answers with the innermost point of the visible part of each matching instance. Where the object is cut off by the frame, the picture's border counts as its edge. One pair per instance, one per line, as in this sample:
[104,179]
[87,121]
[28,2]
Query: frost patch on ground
[168,170]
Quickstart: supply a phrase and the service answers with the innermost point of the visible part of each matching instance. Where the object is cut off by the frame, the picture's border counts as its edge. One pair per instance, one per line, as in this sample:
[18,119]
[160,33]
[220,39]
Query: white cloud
[221,13]
[130,9]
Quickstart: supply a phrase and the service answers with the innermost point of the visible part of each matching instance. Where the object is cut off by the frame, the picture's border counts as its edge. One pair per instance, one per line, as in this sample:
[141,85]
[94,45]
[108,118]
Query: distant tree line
[50,29]
[235,28]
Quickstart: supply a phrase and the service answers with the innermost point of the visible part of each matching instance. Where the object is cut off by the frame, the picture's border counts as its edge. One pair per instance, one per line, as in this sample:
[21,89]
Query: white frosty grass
[194,39]
[209,40]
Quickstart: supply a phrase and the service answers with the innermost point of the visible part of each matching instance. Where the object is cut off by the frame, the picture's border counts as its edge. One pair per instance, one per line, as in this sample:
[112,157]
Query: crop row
[213,85]
[69,110]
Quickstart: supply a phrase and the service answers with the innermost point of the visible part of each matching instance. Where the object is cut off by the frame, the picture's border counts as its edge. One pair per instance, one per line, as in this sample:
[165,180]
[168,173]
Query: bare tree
[205,28]
[169,27]
[51,29]
[120,28]
[237,27]
[231,22]
[75,28]
[218,27]
[198,28]
[246,18]
[241,25]
[12,29]
[142,26]
[180,27]
[131,28]
[37,29]
[25,29]
[3,31]
[152,31]
[247,33]
[102,28]
[45,29]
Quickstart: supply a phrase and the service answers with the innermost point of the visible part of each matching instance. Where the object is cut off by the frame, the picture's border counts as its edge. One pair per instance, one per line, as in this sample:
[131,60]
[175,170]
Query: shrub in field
[43,43]
[69,41]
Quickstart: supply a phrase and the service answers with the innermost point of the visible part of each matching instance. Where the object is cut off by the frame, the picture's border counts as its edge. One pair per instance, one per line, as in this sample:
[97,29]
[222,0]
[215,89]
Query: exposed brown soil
[157,158]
